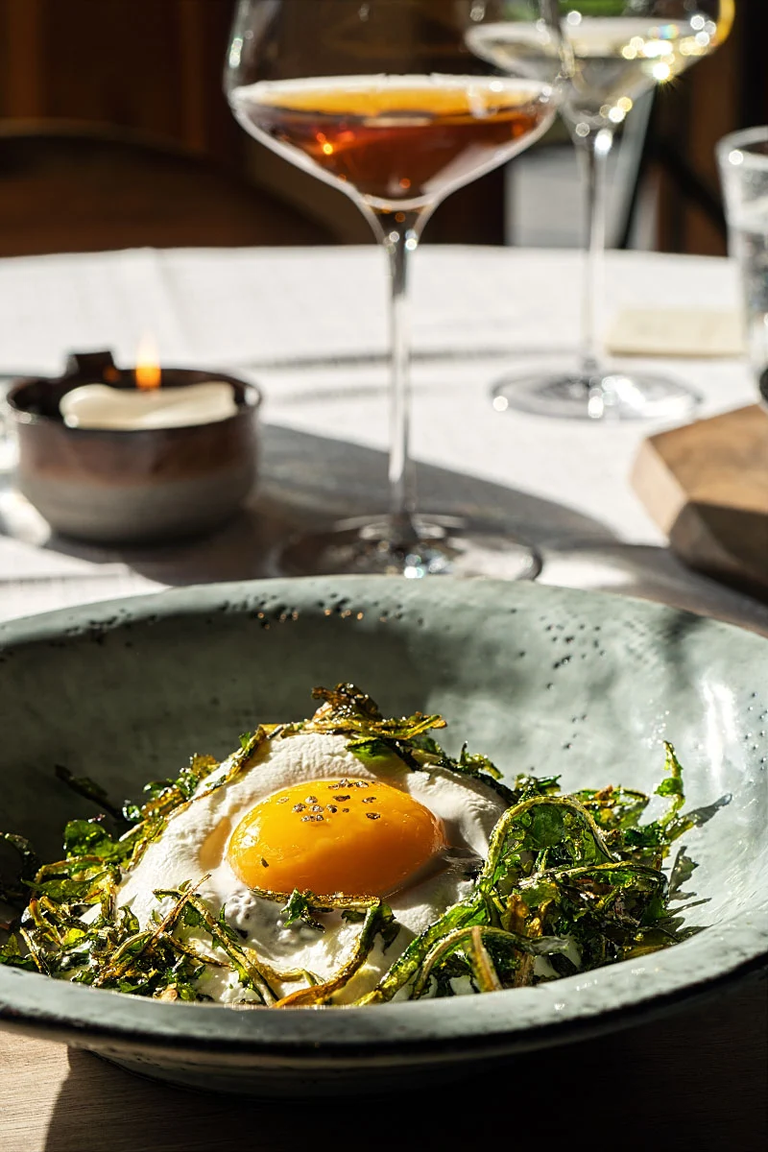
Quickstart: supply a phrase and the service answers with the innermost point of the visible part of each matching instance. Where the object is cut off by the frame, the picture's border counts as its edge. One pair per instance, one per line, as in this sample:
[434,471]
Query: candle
[102,460]
[101,406]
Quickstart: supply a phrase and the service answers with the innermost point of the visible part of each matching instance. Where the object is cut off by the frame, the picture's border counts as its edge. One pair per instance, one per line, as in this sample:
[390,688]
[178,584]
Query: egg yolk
[351,836]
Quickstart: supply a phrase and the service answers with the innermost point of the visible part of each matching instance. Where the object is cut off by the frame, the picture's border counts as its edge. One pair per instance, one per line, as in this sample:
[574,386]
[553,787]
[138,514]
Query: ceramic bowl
[539,678]
[112,486]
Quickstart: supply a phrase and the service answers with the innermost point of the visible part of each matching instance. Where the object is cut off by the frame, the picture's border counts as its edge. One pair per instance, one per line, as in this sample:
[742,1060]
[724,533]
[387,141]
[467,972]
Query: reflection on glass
[743,161]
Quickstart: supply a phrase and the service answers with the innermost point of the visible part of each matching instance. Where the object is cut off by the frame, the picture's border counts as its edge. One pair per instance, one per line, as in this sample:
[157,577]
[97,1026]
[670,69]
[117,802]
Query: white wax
[99,406]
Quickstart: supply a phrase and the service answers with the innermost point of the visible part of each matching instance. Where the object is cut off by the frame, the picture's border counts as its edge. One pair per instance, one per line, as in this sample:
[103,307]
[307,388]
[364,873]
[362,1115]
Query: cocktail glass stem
[400,233]
[594,149]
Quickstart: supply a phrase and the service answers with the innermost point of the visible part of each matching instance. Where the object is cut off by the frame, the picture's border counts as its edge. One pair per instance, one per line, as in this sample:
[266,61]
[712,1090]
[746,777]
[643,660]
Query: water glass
[8,447]
[743,162]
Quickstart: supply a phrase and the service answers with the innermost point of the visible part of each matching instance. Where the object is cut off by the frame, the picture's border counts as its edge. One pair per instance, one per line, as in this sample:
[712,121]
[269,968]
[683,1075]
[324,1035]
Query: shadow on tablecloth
[310,481]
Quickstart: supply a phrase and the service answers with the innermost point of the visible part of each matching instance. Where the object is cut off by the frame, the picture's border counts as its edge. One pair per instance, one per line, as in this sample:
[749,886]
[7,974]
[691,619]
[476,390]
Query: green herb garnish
[571,882]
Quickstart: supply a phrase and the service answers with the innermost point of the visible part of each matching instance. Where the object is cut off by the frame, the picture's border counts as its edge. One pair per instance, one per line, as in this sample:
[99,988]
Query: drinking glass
[743,162]
[383,99]
[619,50]
[8,450]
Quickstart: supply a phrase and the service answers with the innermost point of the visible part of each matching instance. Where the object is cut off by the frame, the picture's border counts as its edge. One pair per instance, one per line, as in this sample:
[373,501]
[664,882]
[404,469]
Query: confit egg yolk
[351,836]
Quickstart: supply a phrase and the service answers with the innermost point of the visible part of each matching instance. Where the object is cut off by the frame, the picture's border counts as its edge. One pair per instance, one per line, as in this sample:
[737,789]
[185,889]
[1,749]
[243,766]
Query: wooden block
[706,486]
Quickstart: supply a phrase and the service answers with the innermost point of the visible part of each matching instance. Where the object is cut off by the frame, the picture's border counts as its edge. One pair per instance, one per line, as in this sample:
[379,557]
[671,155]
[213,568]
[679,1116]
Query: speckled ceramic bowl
[539,678]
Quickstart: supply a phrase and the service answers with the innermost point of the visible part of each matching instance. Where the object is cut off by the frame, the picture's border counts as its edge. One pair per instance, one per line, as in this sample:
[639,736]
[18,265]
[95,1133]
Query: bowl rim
[442,1030]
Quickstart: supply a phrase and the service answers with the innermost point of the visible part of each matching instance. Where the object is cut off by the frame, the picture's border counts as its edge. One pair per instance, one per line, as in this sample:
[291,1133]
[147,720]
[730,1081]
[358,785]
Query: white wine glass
[384,100]
[619,49]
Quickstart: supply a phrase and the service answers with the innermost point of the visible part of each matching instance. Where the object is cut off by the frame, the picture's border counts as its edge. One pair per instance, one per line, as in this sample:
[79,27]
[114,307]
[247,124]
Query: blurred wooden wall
[152,65]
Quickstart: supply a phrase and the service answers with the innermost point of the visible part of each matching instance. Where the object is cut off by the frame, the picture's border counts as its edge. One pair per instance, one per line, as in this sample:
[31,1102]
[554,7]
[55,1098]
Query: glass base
[432,546]
[612,396]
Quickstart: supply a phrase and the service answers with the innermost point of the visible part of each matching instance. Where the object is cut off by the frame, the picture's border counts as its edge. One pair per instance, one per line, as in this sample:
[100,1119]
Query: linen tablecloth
[309,326]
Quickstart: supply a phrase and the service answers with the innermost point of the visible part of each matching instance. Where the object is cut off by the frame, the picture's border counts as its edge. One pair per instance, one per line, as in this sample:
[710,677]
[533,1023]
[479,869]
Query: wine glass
[619,49]
[384,100]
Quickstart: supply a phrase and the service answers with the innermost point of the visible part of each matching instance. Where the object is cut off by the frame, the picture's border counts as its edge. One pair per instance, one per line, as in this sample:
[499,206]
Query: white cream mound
[194,844]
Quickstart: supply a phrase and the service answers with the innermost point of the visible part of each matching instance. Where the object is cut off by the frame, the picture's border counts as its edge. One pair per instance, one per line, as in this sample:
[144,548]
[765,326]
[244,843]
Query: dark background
[153,69]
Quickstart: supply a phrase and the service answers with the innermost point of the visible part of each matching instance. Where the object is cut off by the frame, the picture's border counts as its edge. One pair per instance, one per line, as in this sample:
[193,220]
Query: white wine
[615,59]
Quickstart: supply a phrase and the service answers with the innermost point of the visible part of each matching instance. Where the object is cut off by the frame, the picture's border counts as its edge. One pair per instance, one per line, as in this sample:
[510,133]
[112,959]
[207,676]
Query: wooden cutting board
[706,486]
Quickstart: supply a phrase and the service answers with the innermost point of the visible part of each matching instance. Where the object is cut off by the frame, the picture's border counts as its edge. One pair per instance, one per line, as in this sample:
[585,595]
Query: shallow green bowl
[541,679]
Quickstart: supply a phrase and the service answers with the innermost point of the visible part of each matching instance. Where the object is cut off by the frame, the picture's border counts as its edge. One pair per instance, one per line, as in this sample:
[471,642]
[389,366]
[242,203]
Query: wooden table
[696,1081]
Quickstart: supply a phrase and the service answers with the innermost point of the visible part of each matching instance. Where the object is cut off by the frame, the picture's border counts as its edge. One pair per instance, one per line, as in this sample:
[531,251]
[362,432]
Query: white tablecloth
[309,327]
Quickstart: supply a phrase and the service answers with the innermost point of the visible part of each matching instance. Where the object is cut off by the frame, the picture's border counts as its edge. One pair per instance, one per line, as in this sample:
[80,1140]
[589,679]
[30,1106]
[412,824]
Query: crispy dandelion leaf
[15,891]
[299,907]
[375,740]
[378,920]
[348,710]
[613,808]
[90,838]
[478,943]
[12,955]
[71,925]
[570,882]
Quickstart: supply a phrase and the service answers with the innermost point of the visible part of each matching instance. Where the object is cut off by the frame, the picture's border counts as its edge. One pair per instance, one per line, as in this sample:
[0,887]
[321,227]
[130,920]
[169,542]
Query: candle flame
[148,372]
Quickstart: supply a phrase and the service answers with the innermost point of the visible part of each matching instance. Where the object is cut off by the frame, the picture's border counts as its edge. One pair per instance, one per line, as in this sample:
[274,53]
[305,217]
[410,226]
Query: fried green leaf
[570,882]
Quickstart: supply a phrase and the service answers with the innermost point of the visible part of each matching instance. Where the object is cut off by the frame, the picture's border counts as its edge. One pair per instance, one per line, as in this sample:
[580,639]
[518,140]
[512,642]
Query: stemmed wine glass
[619,50]
[384,100]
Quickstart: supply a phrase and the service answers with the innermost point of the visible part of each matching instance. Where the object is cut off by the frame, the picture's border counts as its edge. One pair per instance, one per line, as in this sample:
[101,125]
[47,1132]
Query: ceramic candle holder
[131,486]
